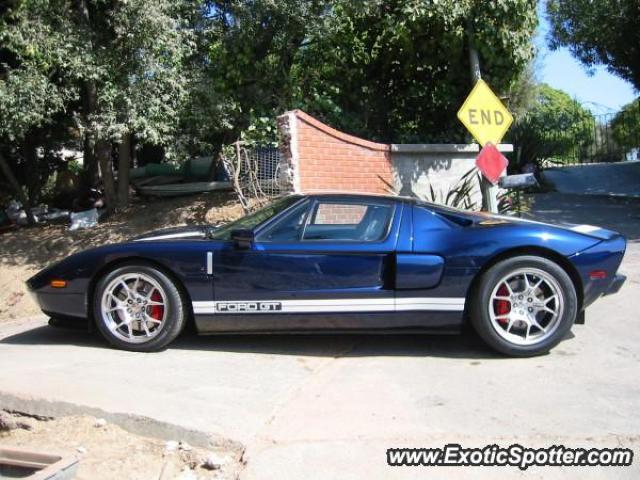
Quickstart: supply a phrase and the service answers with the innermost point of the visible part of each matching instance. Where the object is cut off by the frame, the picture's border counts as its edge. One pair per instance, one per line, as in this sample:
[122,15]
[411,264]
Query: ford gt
[341,263]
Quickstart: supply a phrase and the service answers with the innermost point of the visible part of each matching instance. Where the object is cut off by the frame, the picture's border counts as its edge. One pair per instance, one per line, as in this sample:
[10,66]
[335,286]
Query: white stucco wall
[416,167]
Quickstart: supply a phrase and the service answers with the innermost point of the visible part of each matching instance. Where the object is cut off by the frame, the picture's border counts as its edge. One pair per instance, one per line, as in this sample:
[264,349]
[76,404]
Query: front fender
[185,260]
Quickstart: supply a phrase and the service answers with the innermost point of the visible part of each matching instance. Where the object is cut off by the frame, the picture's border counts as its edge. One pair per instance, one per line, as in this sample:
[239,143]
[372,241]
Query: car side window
[348,221]
[288,229]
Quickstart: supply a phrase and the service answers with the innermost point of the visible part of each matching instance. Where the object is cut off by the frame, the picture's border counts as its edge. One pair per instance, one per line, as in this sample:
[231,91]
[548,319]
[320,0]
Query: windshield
[254,219]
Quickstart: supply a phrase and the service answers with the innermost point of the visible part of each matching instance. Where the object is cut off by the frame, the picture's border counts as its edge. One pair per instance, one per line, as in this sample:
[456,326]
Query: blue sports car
[342,263]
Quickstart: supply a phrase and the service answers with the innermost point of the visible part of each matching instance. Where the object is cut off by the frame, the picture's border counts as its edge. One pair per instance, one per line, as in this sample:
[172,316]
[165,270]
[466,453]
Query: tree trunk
[213,168]
[124,164]
[103,154]
[134,151]
[89,94]
[6,171]
[90,163]
[89,102]
[225,138]
[30,154]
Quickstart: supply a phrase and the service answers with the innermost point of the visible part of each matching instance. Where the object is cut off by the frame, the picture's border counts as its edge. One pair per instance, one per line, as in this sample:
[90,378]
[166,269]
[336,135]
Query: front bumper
[615,285]
[61,304]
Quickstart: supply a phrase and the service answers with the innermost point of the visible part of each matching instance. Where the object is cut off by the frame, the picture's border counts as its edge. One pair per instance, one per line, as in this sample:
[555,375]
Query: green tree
[255,49]
[398,70]
[32,94]
[599,32]
[555,128]
[114,65]
[387,70]
[140,96]
[191,76]
[625,126]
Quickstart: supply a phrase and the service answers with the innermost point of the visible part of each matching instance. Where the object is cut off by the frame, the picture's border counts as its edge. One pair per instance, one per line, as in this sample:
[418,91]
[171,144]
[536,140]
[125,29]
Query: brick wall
[336,214]
[317,158]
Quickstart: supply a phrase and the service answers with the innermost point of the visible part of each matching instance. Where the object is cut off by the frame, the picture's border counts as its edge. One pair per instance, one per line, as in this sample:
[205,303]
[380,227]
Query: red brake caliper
[157,311]
[502,307]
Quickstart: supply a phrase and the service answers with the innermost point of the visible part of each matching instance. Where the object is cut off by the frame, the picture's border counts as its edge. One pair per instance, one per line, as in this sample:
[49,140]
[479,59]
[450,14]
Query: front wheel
[137,307]
[524,306]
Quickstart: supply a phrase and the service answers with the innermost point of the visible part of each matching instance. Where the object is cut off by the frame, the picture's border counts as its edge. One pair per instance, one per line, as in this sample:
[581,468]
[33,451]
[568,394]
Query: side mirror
[243,238]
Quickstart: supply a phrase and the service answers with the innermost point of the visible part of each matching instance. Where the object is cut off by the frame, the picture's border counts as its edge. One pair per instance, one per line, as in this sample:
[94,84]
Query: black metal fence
[576,138]
[610,137]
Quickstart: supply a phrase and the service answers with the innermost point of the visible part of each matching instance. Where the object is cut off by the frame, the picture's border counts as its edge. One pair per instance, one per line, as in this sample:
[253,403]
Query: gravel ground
[106,451]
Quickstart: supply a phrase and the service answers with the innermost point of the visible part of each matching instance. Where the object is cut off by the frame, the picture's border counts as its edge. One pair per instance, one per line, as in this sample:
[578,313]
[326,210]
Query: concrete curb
[135,424]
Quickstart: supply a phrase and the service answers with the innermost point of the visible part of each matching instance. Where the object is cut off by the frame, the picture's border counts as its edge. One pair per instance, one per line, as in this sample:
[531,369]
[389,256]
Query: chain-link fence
[253,172]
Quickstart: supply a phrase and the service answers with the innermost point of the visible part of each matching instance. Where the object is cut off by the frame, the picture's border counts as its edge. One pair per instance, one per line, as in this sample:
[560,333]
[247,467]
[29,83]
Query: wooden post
[489,191]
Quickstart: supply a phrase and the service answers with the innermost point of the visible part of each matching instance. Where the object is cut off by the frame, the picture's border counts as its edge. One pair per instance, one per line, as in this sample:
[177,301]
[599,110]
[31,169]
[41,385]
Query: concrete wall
[316,157]
[418,167]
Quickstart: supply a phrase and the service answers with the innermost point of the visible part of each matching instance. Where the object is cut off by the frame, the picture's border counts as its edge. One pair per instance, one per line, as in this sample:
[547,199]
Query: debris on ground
[86,219]
[10,422]
[41,213]
[170,446]
[110,452]
[213,461]
[14,298]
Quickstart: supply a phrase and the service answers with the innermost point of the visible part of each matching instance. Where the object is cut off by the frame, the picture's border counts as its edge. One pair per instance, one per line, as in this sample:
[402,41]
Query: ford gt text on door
[342,263]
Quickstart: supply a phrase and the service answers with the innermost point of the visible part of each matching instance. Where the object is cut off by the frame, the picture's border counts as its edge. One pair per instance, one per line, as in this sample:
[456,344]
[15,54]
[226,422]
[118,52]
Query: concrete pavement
[329,406]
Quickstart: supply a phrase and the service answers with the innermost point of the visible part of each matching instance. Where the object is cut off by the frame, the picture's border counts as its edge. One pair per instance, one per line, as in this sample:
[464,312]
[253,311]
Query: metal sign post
[485,117]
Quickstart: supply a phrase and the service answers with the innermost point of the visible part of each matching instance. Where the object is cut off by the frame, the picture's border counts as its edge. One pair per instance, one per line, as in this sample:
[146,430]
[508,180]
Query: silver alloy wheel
[134,307]
[526,306]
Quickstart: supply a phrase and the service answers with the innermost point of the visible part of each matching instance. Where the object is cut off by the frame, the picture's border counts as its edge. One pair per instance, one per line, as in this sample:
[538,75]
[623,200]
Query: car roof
[451,213]
[357,195]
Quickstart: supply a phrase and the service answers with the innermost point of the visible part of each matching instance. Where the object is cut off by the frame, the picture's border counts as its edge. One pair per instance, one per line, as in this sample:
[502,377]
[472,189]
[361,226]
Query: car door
[327,263]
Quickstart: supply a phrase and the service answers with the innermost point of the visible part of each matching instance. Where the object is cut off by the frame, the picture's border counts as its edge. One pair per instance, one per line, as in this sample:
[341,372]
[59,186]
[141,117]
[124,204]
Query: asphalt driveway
[329,406]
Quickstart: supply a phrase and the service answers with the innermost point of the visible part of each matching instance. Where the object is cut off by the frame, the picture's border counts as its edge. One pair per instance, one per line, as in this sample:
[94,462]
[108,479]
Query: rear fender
[605,256]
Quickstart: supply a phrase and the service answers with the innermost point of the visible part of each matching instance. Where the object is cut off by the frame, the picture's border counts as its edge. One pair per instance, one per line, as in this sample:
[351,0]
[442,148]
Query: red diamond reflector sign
[491,163]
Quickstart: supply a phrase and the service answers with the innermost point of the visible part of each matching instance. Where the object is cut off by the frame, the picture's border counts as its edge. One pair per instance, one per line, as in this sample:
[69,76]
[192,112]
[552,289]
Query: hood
[197,232]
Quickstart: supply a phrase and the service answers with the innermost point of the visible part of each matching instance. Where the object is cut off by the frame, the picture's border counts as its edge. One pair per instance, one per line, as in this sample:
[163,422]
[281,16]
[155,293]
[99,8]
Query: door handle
[209,263]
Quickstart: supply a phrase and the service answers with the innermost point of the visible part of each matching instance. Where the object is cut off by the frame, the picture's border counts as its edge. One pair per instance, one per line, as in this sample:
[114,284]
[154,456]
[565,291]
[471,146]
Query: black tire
[481,302]
[175,317]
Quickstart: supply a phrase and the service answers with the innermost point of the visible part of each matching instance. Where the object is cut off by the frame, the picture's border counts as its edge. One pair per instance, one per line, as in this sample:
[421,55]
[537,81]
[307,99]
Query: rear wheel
[137,307]
[524,306]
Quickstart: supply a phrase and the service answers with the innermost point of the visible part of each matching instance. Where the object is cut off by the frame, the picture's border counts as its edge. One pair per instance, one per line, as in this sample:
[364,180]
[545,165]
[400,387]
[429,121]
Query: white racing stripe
[430,303]
[169,236]
[585,228]
[332,305]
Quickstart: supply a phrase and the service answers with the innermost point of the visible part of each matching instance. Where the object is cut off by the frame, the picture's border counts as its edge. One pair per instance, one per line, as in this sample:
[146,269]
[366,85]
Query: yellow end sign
[484,115]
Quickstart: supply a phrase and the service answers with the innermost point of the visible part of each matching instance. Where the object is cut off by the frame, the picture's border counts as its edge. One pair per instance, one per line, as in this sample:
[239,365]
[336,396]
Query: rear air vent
[457,219]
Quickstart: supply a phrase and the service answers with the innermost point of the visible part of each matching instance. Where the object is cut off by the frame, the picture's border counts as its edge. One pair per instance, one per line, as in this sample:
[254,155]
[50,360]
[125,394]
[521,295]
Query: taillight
[597,275]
